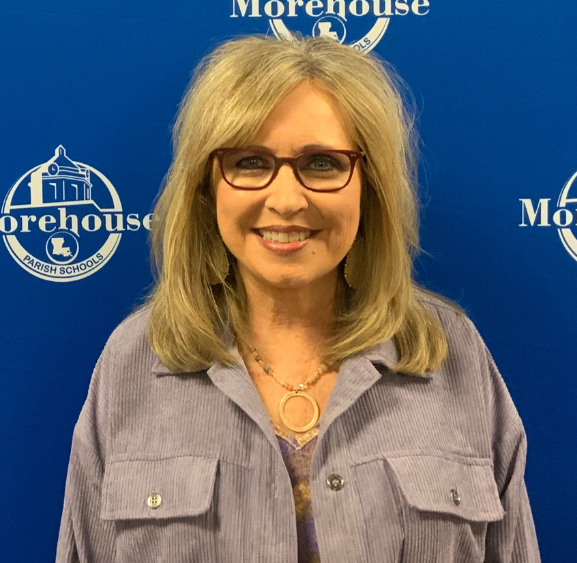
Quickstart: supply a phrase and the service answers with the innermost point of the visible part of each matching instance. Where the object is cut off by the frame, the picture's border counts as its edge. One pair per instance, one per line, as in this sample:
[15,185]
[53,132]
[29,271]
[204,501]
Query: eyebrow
[309,147]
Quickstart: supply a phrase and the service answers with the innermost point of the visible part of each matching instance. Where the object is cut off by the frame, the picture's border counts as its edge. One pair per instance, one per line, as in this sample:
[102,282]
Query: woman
[289,394]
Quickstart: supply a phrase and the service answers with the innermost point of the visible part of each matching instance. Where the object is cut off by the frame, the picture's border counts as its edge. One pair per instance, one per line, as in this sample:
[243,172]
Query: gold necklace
[294,391]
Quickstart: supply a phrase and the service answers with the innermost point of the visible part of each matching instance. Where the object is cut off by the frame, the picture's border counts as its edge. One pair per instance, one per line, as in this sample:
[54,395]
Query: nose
[286,194]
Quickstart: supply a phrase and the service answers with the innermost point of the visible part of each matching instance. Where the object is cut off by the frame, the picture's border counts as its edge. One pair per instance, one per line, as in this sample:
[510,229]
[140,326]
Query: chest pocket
[163,509]
[166,488]
[465,489]
[427,508]
[447,504]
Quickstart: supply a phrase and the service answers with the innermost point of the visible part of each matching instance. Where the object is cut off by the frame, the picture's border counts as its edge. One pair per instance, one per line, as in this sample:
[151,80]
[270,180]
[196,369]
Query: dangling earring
[221,262]
[353,263]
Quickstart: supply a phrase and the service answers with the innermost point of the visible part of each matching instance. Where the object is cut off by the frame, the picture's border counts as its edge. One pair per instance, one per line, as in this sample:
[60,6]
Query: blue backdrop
[89,92]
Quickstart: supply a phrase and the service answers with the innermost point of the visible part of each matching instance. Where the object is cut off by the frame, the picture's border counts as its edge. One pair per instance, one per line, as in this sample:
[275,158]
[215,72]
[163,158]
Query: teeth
[284,237]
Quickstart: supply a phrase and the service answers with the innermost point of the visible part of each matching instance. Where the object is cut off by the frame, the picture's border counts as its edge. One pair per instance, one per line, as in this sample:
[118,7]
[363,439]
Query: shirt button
[335,482]
[455,497]
[154,500]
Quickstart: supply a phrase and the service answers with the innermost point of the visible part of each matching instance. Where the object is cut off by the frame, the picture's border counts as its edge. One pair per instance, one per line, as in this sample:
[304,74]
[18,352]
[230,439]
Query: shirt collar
[384,353]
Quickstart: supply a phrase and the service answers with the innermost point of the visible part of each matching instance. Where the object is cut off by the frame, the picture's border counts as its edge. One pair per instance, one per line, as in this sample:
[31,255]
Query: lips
[283,248]
[258,232]
[284,228]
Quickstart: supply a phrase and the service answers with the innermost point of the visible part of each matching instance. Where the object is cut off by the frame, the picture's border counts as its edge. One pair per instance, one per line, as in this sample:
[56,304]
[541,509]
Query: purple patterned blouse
[297,451]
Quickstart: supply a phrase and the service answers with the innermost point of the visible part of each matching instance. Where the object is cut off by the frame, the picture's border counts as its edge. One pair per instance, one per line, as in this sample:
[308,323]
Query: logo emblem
[63,220]
[362,23]
[564,217]
[330,26]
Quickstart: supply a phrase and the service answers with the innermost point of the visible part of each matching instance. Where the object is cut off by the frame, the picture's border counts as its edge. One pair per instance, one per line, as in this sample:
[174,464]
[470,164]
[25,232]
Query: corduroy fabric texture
[433,467]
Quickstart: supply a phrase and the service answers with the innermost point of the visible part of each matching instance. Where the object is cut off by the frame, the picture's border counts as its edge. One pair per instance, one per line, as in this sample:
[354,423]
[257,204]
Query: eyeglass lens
[325,170]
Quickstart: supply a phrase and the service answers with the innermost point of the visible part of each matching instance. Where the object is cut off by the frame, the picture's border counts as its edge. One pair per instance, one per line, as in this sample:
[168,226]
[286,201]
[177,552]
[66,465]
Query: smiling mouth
[275,236]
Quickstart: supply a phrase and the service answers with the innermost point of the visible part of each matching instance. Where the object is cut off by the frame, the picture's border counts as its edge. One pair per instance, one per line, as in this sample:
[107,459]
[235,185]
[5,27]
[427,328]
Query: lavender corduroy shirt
[432,468]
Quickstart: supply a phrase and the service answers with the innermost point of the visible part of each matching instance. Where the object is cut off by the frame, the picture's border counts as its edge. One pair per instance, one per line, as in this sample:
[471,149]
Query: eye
[323,163]
[252,162]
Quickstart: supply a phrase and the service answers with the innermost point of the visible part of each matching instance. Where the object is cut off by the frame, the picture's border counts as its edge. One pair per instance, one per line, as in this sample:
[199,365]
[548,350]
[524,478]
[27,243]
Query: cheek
[235,214]
[345,226]
[224,197]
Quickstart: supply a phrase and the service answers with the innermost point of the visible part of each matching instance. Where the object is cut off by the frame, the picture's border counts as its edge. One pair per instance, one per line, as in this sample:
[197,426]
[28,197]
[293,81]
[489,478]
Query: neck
[290,324]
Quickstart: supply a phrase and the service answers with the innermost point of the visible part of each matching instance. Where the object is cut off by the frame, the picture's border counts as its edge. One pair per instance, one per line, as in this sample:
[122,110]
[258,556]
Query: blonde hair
[232,92]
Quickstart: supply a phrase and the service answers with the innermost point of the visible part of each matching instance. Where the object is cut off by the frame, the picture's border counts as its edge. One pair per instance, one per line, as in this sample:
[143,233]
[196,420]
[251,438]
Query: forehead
[307,114]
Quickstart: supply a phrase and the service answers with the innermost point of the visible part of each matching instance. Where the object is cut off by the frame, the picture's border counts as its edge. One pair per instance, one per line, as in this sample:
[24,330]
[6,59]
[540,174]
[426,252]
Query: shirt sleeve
[512,539]
[84,537]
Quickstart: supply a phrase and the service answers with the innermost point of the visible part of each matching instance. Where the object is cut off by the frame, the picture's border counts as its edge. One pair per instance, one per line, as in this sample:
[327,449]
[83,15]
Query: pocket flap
[180,486]
[464,488]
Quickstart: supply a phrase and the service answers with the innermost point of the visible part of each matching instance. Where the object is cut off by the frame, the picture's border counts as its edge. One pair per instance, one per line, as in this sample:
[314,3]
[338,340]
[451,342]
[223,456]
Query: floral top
[297,453]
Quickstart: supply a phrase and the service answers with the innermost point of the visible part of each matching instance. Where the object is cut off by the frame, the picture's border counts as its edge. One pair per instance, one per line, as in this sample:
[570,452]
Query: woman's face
[307,116]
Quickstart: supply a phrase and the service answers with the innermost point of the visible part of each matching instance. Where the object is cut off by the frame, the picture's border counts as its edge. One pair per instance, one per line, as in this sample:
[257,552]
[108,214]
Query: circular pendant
[283,402]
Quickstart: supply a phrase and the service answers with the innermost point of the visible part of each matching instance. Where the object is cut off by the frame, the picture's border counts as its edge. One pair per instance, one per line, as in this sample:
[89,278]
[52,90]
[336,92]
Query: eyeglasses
[317,170]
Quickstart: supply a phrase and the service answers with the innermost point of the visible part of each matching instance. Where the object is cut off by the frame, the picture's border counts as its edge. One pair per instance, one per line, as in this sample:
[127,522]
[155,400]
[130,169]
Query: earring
[353,263]
[221,262]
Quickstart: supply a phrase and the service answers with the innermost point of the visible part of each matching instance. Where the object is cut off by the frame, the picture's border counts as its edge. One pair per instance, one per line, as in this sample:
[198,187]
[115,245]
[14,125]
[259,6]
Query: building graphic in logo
[63,220]
[564,217]
[368,19]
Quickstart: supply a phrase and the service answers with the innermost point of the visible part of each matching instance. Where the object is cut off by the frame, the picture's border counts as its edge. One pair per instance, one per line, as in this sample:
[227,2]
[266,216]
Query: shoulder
[122,360]
[468,359]
[128,347]
[470,365]
[461,332]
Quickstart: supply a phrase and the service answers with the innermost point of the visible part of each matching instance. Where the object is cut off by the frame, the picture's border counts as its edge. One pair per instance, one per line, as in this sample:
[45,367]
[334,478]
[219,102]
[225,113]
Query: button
[455,497]
[335,482]
[154,500]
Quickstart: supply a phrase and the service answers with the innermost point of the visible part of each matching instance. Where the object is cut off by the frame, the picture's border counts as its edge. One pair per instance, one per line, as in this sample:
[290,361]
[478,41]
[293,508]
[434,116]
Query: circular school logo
[564,218]
[361,23]
[567,218]
[63,220]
